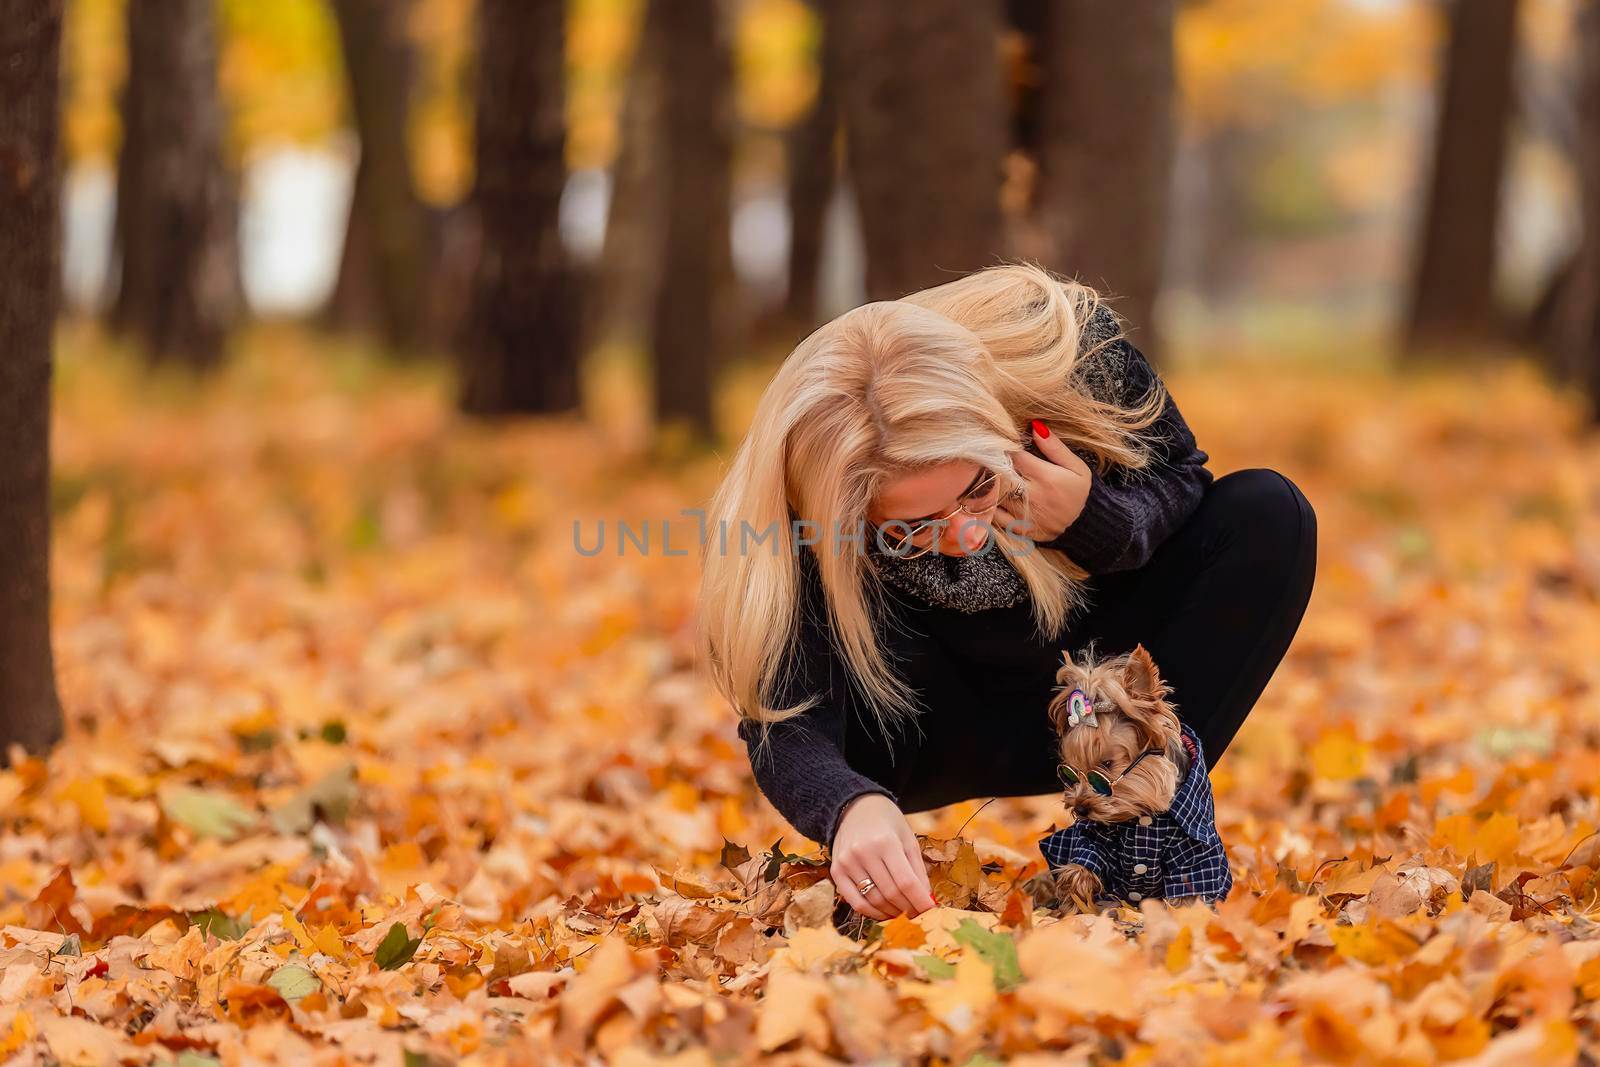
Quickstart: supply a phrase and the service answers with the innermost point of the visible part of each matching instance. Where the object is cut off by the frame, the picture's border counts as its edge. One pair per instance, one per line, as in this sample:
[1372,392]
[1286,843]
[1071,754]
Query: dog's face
[1130,716]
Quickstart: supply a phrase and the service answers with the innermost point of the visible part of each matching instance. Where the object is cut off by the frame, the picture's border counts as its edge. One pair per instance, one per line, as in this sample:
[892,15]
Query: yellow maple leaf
[794,1006]
[959,1002]
[902,932]
[1180,950]
[328,941]
[1339,755]
[1494,838]
[1069,977]
[302,936]
[1374,942]
[19,1033]
[813,947]
[88,795]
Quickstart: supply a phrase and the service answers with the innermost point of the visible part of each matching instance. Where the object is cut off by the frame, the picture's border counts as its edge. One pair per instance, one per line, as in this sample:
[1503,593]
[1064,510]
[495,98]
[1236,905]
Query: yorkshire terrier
[1135,779]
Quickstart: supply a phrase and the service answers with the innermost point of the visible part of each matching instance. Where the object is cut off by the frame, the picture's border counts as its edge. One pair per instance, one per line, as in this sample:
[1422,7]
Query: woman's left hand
[1058,487]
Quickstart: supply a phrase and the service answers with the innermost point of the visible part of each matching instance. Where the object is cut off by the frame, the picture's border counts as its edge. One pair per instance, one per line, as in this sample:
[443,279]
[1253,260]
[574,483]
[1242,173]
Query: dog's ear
[1147,691]
[1060,704]
[1069,676]
[1140,677]
[1069,672]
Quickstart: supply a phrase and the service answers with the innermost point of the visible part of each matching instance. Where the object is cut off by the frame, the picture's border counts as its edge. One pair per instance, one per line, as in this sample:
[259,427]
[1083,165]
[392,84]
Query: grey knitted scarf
[971,583]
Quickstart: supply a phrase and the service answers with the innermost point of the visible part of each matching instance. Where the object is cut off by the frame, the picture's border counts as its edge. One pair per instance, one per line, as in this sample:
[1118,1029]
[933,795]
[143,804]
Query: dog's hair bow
[1080,709]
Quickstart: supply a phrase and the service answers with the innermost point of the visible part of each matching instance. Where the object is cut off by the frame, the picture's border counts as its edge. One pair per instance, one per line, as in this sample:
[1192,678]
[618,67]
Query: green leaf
[1505,742]
[936,967]
[774,862]
[259,741]
[72,946]
[330,797]
[397,948]
[213,922]
[980,1059]
[778,858]
[366,529]
[334,733]
[293,981]
[997,948]
[190,1058]
[207,814]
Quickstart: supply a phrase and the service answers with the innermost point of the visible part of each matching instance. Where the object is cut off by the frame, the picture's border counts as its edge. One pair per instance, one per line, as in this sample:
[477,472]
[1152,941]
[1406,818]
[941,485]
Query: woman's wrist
[850,804]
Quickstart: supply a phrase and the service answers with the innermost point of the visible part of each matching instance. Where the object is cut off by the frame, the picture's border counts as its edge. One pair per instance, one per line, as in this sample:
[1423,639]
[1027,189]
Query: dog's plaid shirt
[1174,854]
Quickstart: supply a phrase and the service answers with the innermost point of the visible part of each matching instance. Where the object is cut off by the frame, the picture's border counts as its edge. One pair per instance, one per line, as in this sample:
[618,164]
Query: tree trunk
[1107,157]
[622,302]
[387,252]
[130,168]
[812,160]
[1577,312]
[1029,21]
[1218,212]
[30,291]
[520,352]
[177,204]
[693,317]
[1452,292]
[921,92]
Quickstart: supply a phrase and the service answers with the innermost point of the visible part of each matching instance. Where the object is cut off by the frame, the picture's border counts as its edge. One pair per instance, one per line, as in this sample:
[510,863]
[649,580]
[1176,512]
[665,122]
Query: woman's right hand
[875,841]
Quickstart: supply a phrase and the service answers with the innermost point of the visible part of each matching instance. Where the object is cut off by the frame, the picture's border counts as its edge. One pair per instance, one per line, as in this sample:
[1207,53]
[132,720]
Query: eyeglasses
[910,540]
[1097,781]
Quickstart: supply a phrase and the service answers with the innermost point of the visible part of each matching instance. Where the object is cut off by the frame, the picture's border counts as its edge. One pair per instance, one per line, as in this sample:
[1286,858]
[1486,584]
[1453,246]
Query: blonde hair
[951,373]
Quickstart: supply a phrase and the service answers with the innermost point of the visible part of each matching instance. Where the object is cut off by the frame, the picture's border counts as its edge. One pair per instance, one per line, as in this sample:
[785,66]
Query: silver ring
[866,885]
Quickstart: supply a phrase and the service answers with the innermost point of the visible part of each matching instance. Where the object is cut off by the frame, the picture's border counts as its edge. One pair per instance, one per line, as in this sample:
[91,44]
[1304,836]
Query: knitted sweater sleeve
[801,767]
[1129,513]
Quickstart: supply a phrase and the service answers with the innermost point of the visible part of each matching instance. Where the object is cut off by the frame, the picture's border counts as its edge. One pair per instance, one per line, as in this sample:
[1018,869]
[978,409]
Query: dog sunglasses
[1097,781]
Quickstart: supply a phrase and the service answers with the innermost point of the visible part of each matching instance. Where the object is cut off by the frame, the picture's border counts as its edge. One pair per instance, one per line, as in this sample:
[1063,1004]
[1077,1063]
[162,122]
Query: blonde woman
[940,494]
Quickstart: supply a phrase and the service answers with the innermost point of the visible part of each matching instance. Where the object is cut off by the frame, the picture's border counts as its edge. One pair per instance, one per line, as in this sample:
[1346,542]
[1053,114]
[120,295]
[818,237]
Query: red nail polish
[1040,428]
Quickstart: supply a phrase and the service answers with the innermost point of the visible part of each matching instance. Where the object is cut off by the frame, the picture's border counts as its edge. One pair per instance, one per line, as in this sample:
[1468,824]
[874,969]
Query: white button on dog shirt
[1145,820]
[1139,868]
[1135,897]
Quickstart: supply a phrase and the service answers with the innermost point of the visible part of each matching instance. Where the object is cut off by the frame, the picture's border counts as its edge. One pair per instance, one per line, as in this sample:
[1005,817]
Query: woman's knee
[1270,510]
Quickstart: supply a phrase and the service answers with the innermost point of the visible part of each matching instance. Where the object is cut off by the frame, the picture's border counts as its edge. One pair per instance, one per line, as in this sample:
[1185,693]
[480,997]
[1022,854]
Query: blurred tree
[1576,335]
[920,90]
[384,268]
[693,316]
[1107,147]
[1029,22]
[1453,284]
[622,298]
[1255,78]
[520,348]
[812,156]
[30,285]
[177,224]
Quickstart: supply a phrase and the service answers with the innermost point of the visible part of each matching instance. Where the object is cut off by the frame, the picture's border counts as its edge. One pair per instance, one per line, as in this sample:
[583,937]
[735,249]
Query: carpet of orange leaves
[367,764]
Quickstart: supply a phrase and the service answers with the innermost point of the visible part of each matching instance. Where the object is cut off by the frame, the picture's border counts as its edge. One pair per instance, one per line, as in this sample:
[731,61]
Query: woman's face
[929,493]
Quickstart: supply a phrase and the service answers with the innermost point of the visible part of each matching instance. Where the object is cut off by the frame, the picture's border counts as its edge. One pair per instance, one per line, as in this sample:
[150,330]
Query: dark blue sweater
[814,764]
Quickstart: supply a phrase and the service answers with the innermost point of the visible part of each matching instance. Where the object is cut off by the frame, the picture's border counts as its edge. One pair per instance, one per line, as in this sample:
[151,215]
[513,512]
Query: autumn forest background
[325,325]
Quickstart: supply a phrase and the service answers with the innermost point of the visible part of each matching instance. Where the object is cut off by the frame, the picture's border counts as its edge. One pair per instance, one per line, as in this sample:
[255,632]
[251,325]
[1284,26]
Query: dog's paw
[1076,884]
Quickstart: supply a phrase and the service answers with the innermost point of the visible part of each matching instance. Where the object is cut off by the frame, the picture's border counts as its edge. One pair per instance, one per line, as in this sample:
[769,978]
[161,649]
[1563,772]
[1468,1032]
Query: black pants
[1216,605]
